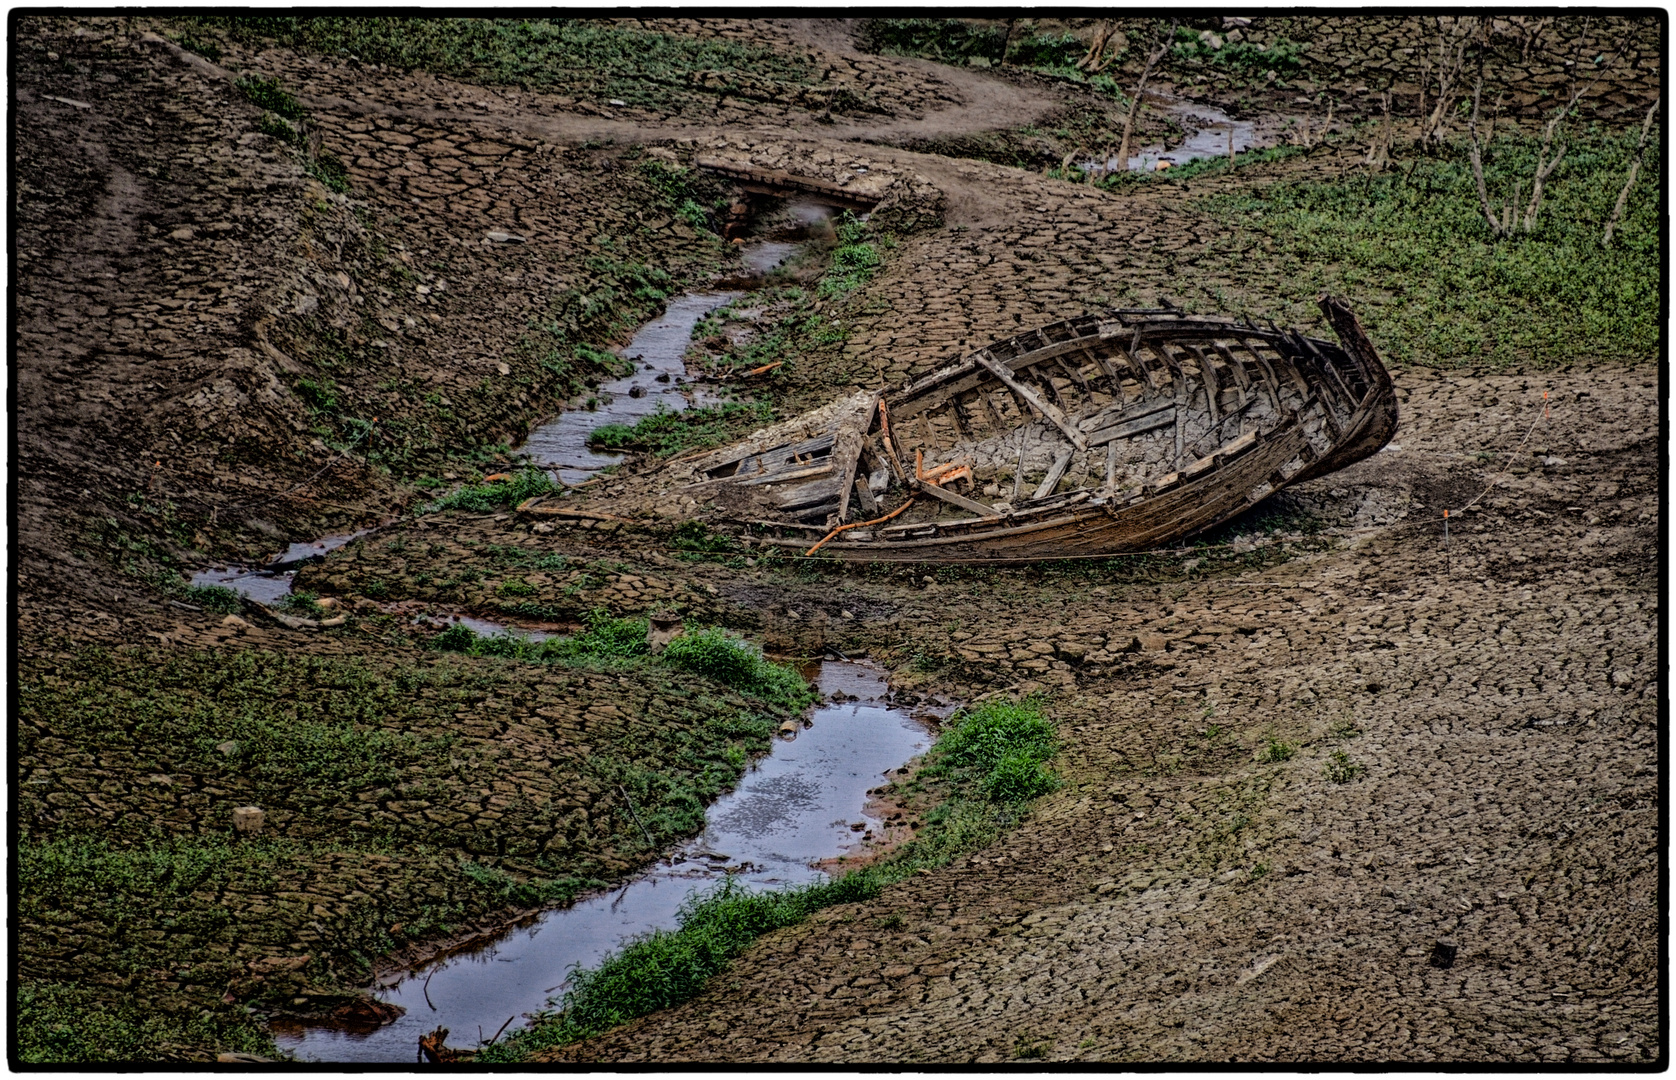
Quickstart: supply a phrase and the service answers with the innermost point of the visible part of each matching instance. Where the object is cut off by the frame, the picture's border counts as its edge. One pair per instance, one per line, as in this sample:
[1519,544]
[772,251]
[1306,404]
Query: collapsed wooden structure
[1114,432]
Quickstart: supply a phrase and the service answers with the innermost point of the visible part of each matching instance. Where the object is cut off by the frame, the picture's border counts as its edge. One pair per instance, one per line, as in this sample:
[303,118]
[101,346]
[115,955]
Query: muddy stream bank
[800,804]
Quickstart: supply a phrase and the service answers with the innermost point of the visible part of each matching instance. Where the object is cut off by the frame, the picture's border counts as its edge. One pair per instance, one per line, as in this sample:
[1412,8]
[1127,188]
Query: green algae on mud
[405,798]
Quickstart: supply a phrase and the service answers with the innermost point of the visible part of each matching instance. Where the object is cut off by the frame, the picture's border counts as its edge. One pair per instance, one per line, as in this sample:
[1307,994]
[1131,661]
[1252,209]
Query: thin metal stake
[1447,563]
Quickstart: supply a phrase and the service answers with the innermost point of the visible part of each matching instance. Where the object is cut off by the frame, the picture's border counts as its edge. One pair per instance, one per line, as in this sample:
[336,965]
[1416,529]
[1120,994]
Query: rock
[617,102]
[183,233]
[335,621]
[846,614]
[789,729]
[248,820]
[503,369]
[637,391]
[233,622]
[1152,642]
[269,965]
[503,238]
[228,748]
[1443,953]
[660,632]
[1622,678]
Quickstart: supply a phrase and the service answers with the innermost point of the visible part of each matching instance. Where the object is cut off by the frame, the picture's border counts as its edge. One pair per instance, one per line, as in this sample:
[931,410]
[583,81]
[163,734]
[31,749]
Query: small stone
[498,237]
[846,614]
[248,820]
[228,748]
[503,368]
[182,233]
[1622,678]
[617,102]
[233,622]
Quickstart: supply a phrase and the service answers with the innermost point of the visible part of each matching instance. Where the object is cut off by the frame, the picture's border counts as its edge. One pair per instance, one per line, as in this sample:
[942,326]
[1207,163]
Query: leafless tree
[1451,58]
[1140,88]
[1634,168]
[1553,138]
[1095,60]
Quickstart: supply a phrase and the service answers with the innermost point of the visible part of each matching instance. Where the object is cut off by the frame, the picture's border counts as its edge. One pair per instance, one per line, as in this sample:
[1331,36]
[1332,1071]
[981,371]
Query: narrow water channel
[659,380]
[796,806]
[1208,135]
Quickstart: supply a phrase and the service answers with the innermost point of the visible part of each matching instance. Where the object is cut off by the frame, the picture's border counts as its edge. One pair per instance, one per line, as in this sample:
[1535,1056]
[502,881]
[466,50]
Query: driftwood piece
[961,501]
[433,1049]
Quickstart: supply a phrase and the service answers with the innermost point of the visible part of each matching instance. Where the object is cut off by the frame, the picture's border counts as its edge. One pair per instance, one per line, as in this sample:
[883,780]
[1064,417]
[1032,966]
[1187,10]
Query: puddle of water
[271,582]
[793,808]
[1208,136]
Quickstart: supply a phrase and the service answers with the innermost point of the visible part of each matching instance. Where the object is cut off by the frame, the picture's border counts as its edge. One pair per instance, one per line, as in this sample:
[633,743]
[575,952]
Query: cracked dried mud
[1333,790]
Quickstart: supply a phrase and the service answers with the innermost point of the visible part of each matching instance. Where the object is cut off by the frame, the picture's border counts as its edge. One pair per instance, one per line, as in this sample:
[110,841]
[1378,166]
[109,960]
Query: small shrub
[718,655]
[1340,769]
[514,587]
[330,170]
[266,92]
[666,432]
[456,638]
[269,124]
[217,598]
[1016,778]
[1274,750]
[524,484]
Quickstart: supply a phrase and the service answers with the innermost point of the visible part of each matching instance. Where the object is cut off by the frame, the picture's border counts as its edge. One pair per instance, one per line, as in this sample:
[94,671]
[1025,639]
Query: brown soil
[180,276]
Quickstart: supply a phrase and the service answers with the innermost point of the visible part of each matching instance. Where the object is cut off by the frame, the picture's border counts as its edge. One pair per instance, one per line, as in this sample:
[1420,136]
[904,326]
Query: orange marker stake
[1544,404]
[1446,561]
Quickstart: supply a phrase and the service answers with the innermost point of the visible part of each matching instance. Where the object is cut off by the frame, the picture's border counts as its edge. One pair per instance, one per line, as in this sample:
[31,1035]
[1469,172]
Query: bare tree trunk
[1477,154]
[1095,61]
[1634,168]
[1140,88]
[1379,150]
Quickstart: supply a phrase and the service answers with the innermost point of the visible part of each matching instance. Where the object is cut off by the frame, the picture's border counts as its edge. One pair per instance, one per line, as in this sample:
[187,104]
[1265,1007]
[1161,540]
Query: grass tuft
[496,495]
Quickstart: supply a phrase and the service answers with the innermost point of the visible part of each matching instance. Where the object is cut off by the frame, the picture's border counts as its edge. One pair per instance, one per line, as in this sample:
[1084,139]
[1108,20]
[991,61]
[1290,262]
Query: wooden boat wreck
[1116,432]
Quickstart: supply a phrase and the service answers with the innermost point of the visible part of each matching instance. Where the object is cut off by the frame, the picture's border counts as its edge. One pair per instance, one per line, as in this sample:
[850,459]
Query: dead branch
[1448,71]
[1634,168]
[1477,155]
[1095,61]
[1140,88]
[1545,166]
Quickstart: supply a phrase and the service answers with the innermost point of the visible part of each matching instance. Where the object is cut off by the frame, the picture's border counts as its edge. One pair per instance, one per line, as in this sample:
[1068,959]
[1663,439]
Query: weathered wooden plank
[1054,416]
[864,498]
[785,476]
[961,501]
[1108,417]
[1054,474]
[846,449]
[1151,422]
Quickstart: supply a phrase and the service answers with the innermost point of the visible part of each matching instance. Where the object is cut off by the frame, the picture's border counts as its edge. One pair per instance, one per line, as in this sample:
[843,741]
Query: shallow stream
[799,805]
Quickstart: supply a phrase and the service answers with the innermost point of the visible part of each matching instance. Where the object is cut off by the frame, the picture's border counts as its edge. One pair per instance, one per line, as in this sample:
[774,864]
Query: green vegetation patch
[667,432]
[492,495]
[854,261]
[1410,247]
[582,56]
